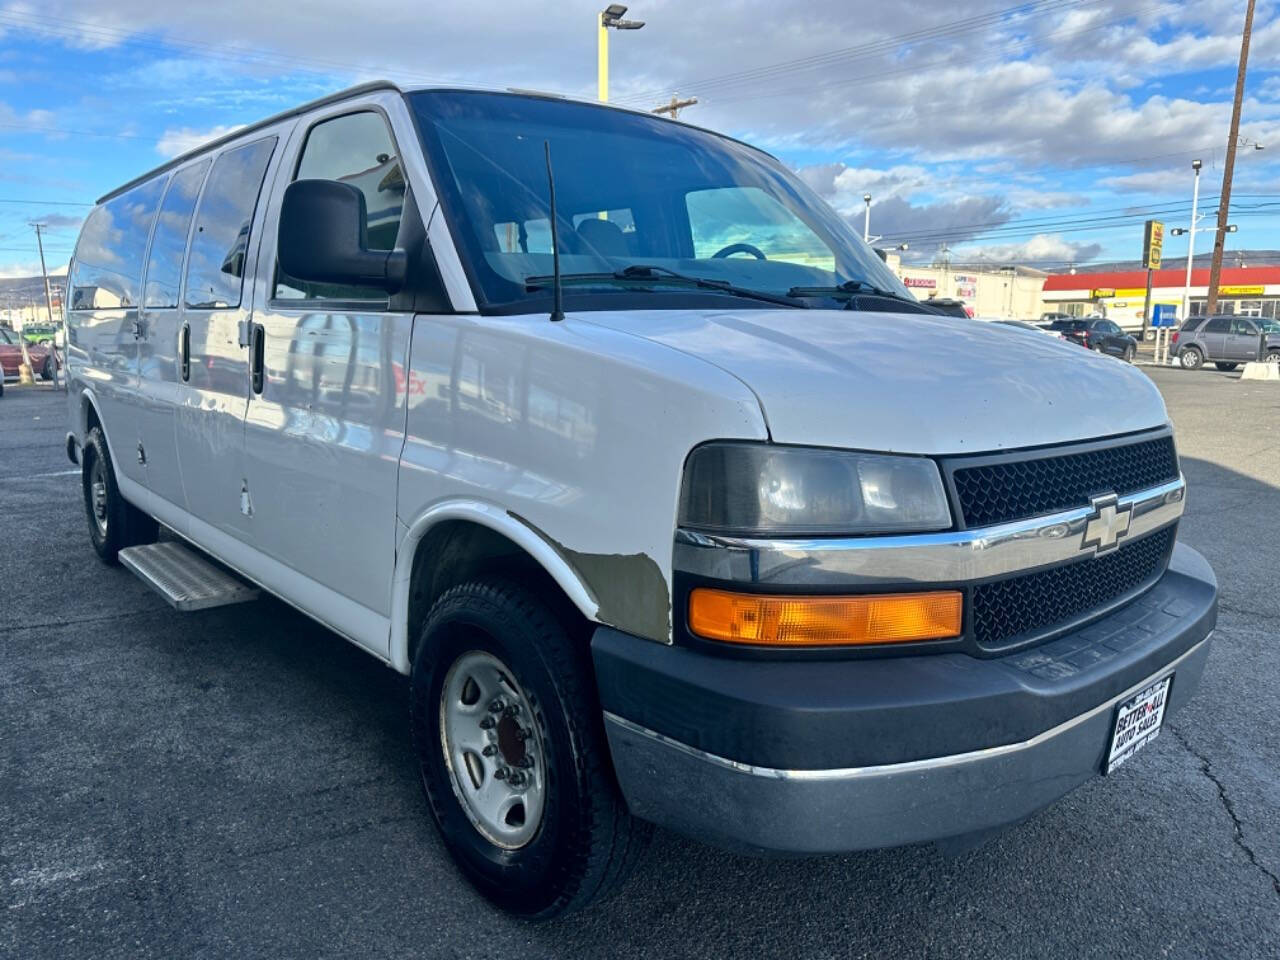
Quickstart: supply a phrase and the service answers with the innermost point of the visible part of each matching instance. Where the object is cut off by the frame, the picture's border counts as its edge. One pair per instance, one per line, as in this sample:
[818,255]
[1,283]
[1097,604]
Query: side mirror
[323,238]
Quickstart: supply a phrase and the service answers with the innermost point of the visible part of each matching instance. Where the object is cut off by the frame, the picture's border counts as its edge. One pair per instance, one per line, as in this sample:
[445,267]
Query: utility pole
[675,106]
[1224,203]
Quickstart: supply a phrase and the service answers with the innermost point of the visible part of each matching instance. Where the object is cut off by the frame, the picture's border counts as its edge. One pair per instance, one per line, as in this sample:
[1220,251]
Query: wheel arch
[458,540]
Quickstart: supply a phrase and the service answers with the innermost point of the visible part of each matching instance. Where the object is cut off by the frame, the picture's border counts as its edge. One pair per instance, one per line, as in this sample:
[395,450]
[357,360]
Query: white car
[672,502]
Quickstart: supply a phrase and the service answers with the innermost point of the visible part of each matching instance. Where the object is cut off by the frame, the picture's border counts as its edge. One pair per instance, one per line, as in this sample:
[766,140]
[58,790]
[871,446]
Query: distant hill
[1232,258]
[20,291]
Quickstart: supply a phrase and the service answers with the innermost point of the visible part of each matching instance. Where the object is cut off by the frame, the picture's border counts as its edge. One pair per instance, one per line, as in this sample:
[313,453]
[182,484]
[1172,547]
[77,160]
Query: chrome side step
[184,577]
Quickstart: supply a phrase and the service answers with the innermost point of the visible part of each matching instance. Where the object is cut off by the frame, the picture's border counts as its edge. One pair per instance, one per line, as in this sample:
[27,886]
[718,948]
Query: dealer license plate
[1138,722]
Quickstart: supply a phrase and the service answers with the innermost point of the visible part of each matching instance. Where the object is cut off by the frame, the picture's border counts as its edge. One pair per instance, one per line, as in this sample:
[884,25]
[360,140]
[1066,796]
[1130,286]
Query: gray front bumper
[811,811]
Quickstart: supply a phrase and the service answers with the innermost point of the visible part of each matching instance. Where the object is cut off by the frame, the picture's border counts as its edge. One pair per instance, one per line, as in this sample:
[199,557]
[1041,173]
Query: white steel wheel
[493,750]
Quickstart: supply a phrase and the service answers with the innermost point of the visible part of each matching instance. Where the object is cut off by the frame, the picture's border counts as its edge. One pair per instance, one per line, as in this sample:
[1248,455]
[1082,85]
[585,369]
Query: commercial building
[1120,296]
[987,291]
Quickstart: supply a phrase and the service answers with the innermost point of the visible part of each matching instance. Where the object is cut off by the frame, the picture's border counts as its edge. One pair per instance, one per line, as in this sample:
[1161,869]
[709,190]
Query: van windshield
[631,191]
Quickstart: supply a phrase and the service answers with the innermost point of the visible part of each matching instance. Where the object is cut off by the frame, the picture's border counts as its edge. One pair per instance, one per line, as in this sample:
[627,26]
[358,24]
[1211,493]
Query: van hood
[907,383]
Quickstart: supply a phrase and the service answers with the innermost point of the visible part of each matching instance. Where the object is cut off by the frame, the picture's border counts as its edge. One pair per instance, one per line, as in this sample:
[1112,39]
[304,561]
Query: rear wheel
[1221,365]
[1191,358]
[512,753]
[46,371]
[1273,356]
[114,523]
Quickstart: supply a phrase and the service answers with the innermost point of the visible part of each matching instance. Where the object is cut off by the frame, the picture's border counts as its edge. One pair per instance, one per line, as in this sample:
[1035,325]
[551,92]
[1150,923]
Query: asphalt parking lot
[239,782]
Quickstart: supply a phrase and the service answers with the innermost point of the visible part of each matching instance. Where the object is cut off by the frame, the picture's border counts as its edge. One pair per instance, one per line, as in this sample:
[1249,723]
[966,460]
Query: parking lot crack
[1237,830]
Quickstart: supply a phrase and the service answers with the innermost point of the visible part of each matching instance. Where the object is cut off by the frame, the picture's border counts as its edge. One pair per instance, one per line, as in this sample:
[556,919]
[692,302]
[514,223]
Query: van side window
[357,149]
[215,266]
[164,263]
[108,263]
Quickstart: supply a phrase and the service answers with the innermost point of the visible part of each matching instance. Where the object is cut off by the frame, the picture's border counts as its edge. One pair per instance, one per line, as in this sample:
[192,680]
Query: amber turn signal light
[790,621]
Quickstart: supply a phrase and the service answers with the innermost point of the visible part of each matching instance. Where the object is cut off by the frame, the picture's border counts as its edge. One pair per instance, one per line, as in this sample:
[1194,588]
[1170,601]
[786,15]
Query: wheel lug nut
[496,705]
[523,734]
[512,710]
[486,723]
[489,750]
[500,773]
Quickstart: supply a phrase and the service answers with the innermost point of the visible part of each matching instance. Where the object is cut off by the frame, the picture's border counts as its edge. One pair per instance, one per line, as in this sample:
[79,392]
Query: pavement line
[41,476]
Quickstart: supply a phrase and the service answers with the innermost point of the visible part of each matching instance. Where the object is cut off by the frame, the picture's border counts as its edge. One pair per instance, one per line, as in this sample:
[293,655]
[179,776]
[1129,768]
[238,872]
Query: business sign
[1152,245]
[1240,291]
[1097,293]
[966,286]
[924,283]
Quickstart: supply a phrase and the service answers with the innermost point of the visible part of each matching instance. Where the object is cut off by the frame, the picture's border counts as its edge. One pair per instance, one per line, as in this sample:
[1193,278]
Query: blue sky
[1041,133]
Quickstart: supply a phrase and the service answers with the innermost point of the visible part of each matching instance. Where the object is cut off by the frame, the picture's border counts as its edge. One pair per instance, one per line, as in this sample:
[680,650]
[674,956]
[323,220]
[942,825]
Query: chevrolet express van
[672,503]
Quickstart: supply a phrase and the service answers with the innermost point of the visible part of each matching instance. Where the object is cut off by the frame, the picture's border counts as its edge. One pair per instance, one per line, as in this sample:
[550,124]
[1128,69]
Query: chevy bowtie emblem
[1107,524]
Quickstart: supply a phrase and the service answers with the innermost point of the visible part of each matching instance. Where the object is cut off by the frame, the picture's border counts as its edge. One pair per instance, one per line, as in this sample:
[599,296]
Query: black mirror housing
[322,238]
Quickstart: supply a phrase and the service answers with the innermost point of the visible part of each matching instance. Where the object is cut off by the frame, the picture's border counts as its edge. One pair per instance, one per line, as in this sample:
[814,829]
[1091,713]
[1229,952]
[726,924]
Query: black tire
[46,371]
[1272,356]
[586,843]
[114,523]
[1191,358]
[1225,366]
[1129,353]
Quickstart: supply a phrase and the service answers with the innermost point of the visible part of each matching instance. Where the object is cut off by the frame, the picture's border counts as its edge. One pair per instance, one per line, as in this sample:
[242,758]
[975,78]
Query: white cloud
[20,270]
[1042,248]
[174,142]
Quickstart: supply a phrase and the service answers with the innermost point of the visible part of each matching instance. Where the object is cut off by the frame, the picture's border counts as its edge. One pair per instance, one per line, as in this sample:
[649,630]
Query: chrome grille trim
[952,557]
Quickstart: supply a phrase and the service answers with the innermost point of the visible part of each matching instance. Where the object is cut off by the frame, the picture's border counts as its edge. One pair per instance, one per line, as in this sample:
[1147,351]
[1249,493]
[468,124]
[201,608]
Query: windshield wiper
[849,290]
[644,273]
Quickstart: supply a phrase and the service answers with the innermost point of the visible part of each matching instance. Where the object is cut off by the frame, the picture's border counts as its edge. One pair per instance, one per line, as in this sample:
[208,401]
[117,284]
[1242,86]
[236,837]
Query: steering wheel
[733,248]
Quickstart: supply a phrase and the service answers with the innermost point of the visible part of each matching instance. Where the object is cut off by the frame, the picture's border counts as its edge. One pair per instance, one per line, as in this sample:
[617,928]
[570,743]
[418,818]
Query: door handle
[257,353]
[184,345]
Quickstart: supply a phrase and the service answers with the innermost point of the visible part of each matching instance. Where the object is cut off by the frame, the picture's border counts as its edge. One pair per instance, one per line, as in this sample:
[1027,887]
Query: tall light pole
[1191,243]
[609,18]
[866,219]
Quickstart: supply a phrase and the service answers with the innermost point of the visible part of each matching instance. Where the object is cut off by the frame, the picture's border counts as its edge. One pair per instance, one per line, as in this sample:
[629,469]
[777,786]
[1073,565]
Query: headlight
[758,488]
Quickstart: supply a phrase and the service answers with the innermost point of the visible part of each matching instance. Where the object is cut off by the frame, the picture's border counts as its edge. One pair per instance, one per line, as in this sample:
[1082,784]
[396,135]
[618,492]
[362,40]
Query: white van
[721,530]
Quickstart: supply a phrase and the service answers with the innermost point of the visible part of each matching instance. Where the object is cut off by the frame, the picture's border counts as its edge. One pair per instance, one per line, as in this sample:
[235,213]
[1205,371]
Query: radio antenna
[557,301]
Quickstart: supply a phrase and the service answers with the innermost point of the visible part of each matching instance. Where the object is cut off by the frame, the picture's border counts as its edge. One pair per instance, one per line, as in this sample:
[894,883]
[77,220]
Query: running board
[185,578]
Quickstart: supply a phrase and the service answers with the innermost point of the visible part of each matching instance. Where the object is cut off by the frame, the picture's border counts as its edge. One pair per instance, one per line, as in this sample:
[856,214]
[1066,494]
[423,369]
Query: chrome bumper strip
[954,557]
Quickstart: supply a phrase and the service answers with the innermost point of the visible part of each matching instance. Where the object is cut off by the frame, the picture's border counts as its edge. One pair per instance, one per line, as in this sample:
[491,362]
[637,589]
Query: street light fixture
[866,220]
[610,18]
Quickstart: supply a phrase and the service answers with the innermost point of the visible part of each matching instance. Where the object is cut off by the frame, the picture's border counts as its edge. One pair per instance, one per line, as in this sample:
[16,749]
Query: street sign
[1152,245]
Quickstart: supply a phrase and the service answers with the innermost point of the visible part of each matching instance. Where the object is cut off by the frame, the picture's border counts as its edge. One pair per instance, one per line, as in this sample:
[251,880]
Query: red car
[42,362]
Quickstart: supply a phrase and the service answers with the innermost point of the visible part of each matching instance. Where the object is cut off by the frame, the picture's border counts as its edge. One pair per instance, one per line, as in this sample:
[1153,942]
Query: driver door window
[356,148]
[748,219]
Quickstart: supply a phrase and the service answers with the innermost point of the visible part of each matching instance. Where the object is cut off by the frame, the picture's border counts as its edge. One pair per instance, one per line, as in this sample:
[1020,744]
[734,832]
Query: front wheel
[114,523]
[1129,353]
[512,753]
[1273,356]
[1191,359]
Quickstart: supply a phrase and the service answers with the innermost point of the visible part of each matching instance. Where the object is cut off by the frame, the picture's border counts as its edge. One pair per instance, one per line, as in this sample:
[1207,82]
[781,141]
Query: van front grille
[1019,488]
[1023,607]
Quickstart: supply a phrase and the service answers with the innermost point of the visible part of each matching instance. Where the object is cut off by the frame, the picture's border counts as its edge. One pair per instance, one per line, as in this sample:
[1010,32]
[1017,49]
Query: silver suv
[1227,341]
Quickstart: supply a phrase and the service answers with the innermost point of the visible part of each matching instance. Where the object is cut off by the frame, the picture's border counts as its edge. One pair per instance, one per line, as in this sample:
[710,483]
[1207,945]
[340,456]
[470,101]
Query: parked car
[1100,334]
[40,333]
[43,359]
[651,489]
[1226,340]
